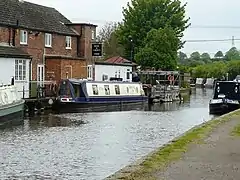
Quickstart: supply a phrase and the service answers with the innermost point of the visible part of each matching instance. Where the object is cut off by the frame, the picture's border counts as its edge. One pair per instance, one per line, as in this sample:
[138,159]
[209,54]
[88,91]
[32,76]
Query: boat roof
[80,81]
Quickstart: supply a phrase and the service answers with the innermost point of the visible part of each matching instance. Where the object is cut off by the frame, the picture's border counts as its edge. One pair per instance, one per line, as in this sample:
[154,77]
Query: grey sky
[201,12]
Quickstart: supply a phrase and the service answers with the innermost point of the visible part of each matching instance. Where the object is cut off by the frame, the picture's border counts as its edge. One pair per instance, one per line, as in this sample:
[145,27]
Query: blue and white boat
[76,95]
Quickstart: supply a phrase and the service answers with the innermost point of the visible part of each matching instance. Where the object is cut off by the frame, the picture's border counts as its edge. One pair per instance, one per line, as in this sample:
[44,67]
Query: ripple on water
[93,145]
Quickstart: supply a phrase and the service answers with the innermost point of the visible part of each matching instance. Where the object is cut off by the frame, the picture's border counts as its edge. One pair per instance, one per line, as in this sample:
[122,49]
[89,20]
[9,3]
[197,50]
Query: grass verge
[236,131]
[172,151]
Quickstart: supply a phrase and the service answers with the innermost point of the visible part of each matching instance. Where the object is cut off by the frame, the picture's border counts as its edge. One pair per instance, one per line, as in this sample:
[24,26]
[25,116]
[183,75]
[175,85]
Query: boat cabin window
[127,89]
[107,90]
[117,89]
[76,90]
[136,89]
[64,89]
[95,89]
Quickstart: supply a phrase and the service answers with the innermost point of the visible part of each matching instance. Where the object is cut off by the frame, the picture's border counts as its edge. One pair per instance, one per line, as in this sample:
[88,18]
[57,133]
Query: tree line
[196,58]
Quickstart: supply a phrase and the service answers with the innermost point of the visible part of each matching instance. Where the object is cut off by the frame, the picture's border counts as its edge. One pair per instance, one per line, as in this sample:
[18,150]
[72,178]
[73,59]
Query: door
[40,74]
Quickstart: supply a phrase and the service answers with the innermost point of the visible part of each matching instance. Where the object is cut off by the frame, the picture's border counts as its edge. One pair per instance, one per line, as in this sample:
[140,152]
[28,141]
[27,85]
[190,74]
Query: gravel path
[218,158]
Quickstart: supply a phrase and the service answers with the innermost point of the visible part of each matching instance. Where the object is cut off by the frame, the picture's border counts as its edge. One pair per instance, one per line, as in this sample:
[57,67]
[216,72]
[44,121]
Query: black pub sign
[96,49]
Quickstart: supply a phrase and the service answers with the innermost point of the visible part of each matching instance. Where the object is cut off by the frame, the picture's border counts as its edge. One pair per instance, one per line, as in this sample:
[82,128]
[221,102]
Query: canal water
[93,146]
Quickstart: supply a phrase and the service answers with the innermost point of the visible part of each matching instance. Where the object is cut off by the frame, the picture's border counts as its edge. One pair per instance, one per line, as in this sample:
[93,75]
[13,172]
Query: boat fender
[5,98]
[50,101]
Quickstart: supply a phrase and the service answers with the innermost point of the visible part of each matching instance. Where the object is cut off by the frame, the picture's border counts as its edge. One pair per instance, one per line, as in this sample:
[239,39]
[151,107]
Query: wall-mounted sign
[96,49]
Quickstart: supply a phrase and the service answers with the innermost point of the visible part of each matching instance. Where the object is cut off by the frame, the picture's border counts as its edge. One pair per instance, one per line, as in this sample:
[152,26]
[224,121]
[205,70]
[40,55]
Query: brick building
[59,48]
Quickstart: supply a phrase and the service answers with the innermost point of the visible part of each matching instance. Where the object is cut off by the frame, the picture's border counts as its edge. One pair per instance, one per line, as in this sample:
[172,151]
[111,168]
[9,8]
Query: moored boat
[226,97]
[11,104]
[76,95]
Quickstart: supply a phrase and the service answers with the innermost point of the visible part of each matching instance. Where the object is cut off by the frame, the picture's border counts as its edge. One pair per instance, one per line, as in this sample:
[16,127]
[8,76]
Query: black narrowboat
[226,97]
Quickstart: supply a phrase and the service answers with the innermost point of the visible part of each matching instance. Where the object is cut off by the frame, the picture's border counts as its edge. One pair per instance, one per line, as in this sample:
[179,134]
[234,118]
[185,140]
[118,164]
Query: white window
[40,74]
[68,42]
[20,70]
[93,34]
[23,37]
[48,40]
[89,72]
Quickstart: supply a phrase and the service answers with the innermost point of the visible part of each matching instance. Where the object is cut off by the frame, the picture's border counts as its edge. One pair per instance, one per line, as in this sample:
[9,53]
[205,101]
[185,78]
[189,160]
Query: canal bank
[207,151]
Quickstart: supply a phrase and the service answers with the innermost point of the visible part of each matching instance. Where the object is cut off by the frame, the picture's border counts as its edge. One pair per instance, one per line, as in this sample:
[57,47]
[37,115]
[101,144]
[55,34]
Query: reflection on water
[94,145]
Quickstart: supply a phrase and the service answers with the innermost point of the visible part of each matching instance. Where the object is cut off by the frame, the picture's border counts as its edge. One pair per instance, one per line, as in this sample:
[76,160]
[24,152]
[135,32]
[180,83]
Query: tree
[182,58]
[232,54]
[195,56]
[107,36]
[144,15]
[205,57]
[219,55]
[160,50]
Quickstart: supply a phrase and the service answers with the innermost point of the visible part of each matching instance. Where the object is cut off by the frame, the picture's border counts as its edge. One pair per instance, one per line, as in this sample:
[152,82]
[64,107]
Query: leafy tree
[195,56]
[162,45]
[205,57]
[107,36]
[144,15]
[182,58]
[232,54]
[219,54]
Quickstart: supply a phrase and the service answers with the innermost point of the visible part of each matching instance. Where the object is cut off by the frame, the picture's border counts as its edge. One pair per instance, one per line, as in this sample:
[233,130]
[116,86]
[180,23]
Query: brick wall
[65,67]
[4,35]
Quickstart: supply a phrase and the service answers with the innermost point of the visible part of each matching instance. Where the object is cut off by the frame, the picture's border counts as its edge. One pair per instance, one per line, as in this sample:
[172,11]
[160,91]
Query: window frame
[93,35]
[68,42]
[23,37]
[90,75]
[48,40]
[23,64]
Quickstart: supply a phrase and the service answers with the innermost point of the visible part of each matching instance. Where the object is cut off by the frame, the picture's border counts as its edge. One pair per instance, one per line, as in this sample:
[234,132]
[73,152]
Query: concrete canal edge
[157,160]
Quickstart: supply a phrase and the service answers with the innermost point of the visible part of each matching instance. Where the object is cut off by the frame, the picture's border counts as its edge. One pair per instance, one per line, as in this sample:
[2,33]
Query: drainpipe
[9,36]
[14,33]
[78,42]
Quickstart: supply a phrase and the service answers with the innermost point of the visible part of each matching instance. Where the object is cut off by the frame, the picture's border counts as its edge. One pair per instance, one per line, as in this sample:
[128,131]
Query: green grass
[236,131]
[162,157]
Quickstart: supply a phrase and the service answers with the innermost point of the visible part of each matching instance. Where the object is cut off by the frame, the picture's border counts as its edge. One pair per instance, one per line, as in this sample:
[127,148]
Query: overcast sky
[201,12]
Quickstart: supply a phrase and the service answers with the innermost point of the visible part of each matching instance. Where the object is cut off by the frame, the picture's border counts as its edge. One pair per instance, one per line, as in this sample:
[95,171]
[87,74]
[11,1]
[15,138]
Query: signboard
[96,49]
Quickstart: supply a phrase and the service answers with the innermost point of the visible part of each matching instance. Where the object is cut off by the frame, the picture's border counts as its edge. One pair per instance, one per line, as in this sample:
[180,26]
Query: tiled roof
[34,17]
[118,60]
[7,51]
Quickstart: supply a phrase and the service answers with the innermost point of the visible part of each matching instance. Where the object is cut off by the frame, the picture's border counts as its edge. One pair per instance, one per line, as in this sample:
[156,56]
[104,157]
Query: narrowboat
[226,97]
[77,95]
[11,104]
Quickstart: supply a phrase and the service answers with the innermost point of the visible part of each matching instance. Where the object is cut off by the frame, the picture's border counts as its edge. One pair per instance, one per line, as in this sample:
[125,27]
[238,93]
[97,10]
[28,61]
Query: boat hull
[220,107]
[98,106]
[11,111]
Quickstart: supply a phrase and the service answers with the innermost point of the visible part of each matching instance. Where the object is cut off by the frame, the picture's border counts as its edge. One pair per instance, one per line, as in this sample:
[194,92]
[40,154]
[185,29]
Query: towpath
[218,158]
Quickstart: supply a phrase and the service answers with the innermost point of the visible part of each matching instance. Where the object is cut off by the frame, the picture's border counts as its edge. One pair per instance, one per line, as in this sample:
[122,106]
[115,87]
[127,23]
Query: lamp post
[131,43]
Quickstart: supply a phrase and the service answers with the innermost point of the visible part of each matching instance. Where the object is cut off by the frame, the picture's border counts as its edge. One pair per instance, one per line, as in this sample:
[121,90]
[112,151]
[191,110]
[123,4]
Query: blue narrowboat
[77,95]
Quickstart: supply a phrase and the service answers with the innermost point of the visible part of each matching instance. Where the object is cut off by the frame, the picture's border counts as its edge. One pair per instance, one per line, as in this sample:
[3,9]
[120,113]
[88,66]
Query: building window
[68,42]
[89,72]
[23,37]
[95,89]
[48,40]
[93,34]
[119,74]
[117,89]
[20,70]
[128,74]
